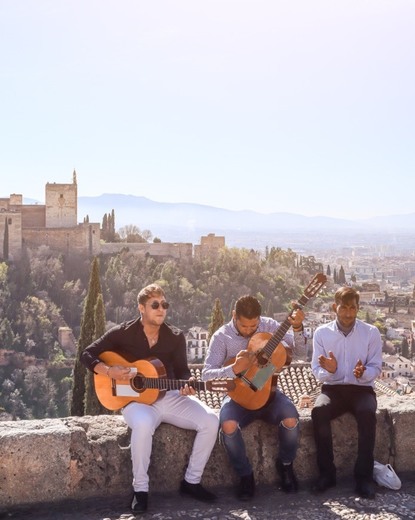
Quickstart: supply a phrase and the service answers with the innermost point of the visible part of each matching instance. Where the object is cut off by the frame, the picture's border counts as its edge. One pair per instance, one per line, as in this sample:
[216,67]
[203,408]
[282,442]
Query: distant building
[197,343]
[53,224]
[209,244]
[394,366]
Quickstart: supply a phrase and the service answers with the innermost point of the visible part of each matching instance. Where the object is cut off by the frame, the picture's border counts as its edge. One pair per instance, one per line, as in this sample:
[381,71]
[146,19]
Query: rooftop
[296,381]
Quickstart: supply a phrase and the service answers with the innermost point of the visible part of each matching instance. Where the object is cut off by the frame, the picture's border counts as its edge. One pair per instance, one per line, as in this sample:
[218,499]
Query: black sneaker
[324,482]
[246,488]
[139,503]
[289,482]
[196,491]
[365,488]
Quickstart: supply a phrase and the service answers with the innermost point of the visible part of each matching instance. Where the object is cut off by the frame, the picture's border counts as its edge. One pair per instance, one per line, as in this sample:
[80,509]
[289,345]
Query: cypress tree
[342,276]
[92,405]
[105,227]
[86,337]
[6,240]
[216,319]
[405,348]
[112,226]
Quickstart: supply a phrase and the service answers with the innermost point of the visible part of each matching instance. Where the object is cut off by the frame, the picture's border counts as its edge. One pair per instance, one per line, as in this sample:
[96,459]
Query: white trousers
[186,412]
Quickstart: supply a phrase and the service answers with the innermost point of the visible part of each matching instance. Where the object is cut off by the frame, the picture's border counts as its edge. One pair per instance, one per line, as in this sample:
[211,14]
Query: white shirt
[363,342]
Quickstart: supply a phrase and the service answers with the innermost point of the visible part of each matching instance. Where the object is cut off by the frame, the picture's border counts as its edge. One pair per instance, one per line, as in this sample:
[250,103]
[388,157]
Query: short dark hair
[147,292]
[248,307]
[346,295]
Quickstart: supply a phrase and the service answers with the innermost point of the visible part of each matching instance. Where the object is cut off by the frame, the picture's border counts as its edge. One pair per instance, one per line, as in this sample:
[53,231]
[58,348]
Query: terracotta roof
[296,381]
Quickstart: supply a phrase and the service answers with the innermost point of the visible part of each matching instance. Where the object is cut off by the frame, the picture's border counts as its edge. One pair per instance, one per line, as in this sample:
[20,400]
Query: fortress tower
[54,224]
[61,204]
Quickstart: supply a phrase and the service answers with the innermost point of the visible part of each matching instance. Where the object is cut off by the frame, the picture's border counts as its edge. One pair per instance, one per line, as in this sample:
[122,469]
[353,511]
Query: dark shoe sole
[322,487]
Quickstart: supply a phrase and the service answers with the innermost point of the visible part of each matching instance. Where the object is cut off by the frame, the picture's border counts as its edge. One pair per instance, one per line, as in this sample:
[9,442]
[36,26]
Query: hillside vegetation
[45,290]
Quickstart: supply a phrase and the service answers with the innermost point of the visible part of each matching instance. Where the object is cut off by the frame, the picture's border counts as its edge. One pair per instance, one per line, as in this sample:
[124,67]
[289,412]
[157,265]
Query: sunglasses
[156,305]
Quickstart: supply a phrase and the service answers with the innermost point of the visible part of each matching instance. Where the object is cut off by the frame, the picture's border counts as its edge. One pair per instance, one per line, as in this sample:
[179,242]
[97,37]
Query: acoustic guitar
[148,384]
[255,386]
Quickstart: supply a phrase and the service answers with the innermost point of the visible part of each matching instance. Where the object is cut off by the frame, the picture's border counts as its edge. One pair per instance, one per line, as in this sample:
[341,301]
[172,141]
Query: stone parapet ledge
[52,460]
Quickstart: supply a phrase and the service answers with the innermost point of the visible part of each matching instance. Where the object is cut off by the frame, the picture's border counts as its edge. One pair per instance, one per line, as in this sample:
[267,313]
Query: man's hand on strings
[296,318]
[243,361]
[188,388]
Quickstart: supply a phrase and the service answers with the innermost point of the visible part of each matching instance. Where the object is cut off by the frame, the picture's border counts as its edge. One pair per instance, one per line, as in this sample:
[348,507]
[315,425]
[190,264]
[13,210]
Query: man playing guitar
[232,342]
[148,336]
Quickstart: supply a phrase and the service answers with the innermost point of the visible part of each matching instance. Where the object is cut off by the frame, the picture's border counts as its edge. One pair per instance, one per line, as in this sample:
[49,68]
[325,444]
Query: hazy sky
[301,106]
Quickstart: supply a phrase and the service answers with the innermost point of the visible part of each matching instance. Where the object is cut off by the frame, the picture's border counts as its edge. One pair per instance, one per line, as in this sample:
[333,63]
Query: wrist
[107,372]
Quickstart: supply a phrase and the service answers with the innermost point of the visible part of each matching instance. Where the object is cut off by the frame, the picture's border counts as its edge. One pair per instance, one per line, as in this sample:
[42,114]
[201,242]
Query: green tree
[37,323]
[405,348]
[86,337]
[92,405]
[217,318]
[40,392]
[342,276]
[6,240]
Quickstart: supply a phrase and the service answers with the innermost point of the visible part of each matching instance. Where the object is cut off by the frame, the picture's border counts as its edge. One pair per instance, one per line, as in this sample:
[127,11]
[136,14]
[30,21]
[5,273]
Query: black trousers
[335,400]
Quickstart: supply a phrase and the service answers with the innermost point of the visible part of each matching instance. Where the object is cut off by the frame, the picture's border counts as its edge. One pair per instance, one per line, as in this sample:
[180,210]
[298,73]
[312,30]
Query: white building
[197,344]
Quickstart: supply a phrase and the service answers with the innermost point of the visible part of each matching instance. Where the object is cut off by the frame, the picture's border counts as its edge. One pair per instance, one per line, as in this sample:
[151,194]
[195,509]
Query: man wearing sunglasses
[147,336]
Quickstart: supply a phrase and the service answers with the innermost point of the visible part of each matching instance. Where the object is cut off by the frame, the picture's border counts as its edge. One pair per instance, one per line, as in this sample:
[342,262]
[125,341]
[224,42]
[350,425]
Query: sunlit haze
[301,106]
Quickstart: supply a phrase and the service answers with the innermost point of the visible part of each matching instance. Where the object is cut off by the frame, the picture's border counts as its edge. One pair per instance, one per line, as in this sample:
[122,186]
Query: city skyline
[299,107]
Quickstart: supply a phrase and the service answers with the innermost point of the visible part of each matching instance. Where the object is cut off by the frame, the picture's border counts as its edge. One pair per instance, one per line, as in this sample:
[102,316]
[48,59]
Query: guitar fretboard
[171,384]
[275,340]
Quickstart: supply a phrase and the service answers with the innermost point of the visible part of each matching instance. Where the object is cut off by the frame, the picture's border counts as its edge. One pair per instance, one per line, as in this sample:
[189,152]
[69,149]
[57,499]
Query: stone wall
[33,216]
[83,457]
[84,238]
[158,249]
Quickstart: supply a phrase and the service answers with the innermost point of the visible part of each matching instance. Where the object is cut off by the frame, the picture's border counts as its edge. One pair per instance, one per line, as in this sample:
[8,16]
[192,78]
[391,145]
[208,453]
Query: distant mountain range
[184,222]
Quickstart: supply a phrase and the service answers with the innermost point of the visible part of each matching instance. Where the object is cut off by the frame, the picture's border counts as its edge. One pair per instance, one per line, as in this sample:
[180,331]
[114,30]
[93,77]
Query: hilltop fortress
[55,224]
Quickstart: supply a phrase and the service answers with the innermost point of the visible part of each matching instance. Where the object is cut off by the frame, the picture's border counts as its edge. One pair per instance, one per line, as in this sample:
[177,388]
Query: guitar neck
[172,384]
[274,341]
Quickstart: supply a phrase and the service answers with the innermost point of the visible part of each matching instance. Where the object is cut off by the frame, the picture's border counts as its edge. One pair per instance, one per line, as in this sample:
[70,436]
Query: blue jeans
[274,412]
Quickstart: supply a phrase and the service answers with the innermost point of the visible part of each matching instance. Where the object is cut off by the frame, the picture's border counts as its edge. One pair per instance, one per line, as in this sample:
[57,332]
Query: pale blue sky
[303,106]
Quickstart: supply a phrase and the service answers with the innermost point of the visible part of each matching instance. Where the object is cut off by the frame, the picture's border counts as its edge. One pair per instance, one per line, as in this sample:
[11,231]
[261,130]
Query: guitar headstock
[316,284]
[220,385]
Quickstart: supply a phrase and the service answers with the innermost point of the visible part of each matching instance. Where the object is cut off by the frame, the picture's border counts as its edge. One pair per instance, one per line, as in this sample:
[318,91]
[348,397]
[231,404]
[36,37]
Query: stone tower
[61,202]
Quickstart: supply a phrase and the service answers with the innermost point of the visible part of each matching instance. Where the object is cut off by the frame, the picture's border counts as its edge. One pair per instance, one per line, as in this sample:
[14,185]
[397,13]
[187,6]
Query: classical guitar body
[255,387]
[115,394]
[148,384]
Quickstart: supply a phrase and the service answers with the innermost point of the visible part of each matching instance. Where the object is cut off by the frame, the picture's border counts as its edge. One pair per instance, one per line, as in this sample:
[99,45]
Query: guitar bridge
[249,383]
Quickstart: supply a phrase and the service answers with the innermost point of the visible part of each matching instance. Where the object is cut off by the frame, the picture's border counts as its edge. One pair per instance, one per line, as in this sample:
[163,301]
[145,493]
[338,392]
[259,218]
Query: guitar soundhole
[137,383]
[262,360]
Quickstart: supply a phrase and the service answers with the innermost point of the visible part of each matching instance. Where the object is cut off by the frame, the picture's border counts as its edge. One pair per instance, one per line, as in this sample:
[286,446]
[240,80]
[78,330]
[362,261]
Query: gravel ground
[338,503]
